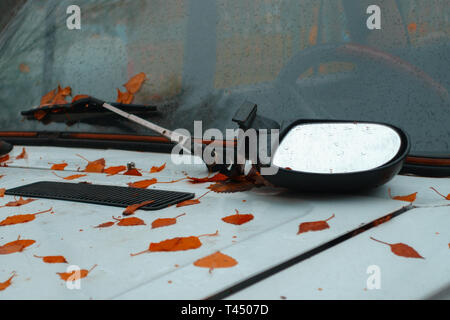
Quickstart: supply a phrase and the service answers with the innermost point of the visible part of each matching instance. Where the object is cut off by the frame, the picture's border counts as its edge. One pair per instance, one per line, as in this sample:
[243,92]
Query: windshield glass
[203,58]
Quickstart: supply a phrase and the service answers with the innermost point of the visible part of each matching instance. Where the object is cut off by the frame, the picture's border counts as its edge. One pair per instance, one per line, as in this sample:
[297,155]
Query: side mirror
[338,156]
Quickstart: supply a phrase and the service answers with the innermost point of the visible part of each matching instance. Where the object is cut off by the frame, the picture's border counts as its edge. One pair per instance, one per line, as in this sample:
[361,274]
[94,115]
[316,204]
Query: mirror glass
[337,147]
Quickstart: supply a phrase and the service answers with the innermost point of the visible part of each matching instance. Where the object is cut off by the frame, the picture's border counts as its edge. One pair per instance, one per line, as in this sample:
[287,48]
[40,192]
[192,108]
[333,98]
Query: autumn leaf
[74,275]
[23,218]
[314,226]
[408,198]
[238,219]
[47,98]
[61,94]
[52,259]
[445,197]
[176,244]
[79,97]
[18,203]
[216,260]
[59,166]
[15,246]
[4,159]
[216,178]
[231,186]
[144,184]
[402,250]
[133,172]
[105,225]
[114,170]
[23,155]
[124,97]
[7,283]
[96,166]
[2,192]
[39,114]
[159,223]
[191,202]
[72,177]
[132,209]
[135,83]
[157,169]
[130,222]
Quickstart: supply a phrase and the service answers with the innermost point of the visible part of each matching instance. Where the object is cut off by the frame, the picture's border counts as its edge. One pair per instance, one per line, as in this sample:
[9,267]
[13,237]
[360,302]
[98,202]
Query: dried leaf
[124,97]
[15,246]
[216,260]
[114,170]
[97,166]
[105,225]
[23,155]
[61,94]
[238,219]
[191,202]
[176,244]
[402,250]
[445,197]
[48,97]
[23,218]
[52,259]
[314,226]
[4,158]
[39,114]
[159,223]
[24,68]
[132,209]
[408,198]
[72,177]
[157,169]
[142,184]
[59,166]
[135,83]
[2,192]
[231,186]
[19,202]
[7,283]
[216,178]
[130,222]
[133,172]
[74,275]
[79,97]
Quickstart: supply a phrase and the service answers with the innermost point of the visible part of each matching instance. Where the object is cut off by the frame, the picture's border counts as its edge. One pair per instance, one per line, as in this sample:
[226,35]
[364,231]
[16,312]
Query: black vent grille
[101,194]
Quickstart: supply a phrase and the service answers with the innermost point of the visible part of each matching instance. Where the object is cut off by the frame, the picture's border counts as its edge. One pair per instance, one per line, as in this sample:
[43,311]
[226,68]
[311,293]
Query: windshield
[203,58]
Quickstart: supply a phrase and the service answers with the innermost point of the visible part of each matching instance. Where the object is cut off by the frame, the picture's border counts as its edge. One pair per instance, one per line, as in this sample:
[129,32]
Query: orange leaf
[105,225]
[408,198]
[142,184]
[216,178]
[2,192]
[238,219]
[79,97]
[15,246]
[60,97]
[96,166]
[74,275]
[445,197]
[135,83]
[19,202]
[133,172]
[39,114]
[159,223]
[114,170]
[402,250]
[314,226]
[124,97]
[48,97]
[176,244]
[59,166]
[7,283]
[4,158]
[23,155]
[130,222]
[157,169]
[191,202]
[23,218]
[52,259]
[132,209]
[216,260]
[72,177]
[231,186]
